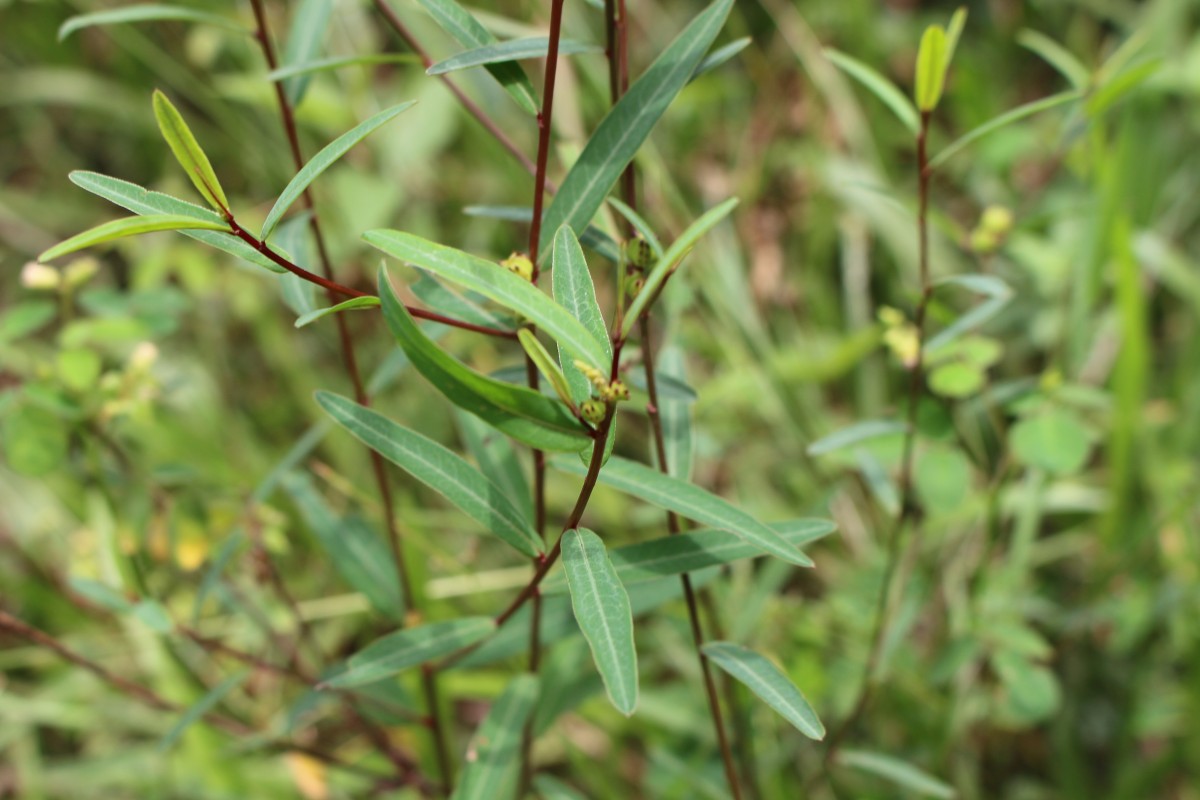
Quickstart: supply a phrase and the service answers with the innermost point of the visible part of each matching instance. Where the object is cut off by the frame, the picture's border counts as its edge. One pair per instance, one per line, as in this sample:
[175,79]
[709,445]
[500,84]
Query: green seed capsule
[638,253]
[593,411]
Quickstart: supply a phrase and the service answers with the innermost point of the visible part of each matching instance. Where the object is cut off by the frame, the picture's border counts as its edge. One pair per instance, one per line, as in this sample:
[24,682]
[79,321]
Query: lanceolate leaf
[574,290]
[931,68]
[721,55]
[544,363]
[149,12]
[602,610]
[134,198]
[440,469]
[458,22]
[675,415]
[309,26]
[640,225]
[1056,56]
[130,226]
[330,64]
[671,259]
[695,550]
[497,459]
[322,161]
[202,706]
[622,131]
[528,416]
[512,50]
[405,649]
[347,305]
[493,762]
[688,500]
[768,682]
[498,284]
[879,86]
[1007,118]
[854,434]
[901,773]
[187,152]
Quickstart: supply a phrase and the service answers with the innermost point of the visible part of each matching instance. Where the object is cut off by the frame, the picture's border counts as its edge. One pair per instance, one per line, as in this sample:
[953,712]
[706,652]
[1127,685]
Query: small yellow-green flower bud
[79,272]
[984,241]
[39,276]
[638,253]
[633,286]
[619,390]
[593,411]
[890,316]
[520,264]
[996,220]
[591,373]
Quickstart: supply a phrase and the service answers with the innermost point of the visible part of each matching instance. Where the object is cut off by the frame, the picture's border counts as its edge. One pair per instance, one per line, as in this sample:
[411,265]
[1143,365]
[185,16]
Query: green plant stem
[470,105]
[909,511]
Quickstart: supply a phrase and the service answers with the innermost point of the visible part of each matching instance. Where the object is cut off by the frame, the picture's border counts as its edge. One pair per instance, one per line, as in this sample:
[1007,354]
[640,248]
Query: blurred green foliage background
[1046,645]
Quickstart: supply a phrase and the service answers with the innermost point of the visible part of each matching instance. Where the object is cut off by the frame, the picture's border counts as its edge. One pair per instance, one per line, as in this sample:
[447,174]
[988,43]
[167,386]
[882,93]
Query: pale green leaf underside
[405,649]
[347,305]
[688,500]
[129,226]
[331,64]
[437,467]
[148,12]
[511,50]
[769,683]
[601,607]
[574,290]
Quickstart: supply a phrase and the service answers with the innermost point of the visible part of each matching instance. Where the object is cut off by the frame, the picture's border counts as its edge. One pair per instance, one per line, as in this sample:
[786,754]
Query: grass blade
[405,649]
[769,683]
[323,160]
[602,610]
[439,468]
[1015,115]
[881,87]
[1057,56]
[130,226]
[899,772]
[309,25]
[512,50]
[494,752]
[331,64]
[854,434]
[149,12]
[201,707]
[720,56]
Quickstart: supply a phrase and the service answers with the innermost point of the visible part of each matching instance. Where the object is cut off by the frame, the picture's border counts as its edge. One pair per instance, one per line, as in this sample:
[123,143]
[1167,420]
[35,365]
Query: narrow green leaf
[405,649]
[309,26]
[346,305]
[458,22]
[881,87]
[769,683]
[958,21]
[323,160]
[511,50]
[675,416]
[497,284]
[545,364]
[497,459]
[591,237]
[671,259]
[526,415]
[201,707]
[931,68]
[550,788]
[639,224]
[1007,118]
[331,64]
[139,200]
[695,550]
[465,306]
[720,56]
[129,226]
[493,760]
[575,291]
[602,610]
[901,773]
[440,469]
[855,434]
[188,153]
[358,554]
[149,12]
[998,293]
[621,133]
[1120,85]
[688,500]
[1057,56]
[669,386]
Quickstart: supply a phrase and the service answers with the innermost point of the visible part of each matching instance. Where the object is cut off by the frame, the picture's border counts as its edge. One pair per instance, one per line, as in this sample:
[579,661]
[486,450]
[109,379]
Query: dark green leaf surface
[769,683]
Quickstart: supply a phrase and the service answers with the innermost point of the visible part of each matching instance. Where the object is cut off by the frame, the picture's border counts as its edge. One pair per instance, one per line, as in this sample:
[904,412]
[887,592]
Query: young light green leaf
[407,648]
[591,237]
[688,500]
[149,12]
[695,550]
[545,364]
[358,554]
[440,469]
[1057,56]
[495,283]
[958,21]
[330,64]
[675,415]
[671,259]
[602,610]
[493,761]
[129,226]
[188,153]
[769,683]
[1007,118]
[639,224]
[575,291]
[621,133]
[931,68]
[139,200]
[201,707]
[309,26]
[323,160]
[881,87]
[346,305]
[458,22]
[512,50]
[526,415]
[720,56]
[855,434]
[901,773]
